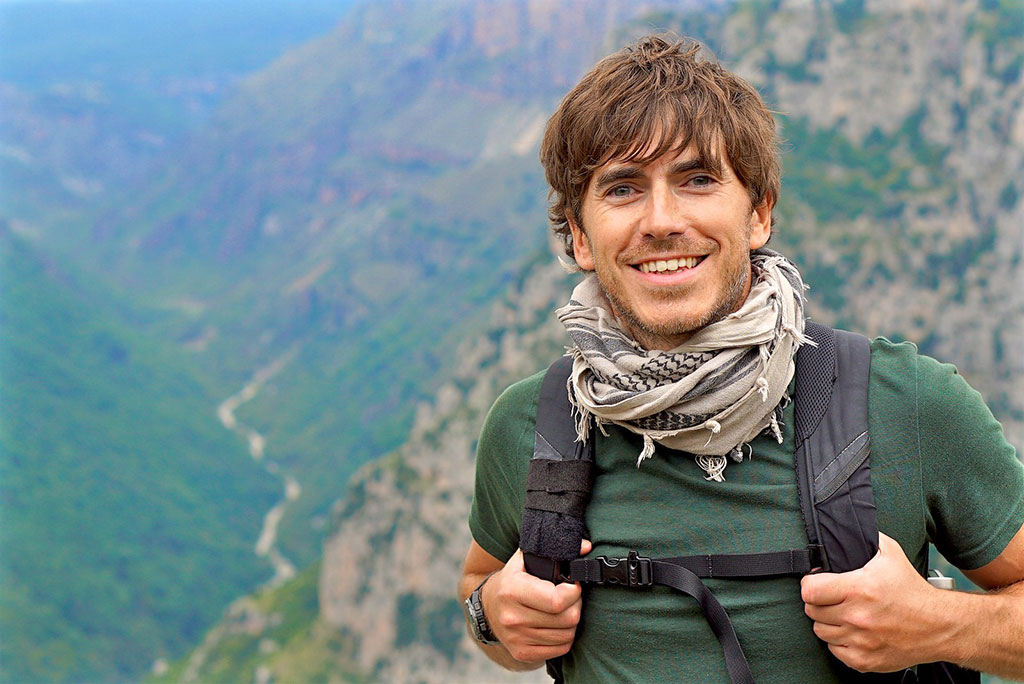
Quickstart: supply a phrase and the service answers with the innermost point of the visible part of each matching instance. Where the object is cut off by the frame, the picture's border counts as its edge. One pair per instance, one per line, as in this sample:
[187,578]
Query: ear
[761,222]
[581,250]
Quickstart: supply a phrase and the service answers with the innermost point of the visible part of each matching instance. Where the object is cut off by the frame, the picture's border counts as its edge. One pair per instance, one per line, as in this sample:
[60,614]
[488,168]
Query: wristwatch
[477,620]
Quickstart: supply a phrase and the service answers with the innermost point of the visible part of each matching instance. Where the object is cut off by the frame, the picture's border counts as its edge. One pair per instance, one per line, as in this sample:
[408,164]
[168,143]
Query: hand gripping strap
[832,446]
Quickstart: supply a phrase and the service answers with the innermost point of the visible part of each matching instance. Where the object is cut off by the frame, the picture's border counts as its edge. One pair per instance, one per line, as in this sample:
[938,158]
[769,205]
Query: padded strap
[832,446]
[558,482]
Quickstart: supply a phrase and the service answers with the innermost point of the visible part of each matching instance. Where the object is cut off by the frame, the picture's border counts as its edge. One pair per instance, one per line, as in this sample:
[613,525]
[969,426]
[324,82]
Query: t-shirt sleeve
[972,477]
[502,459]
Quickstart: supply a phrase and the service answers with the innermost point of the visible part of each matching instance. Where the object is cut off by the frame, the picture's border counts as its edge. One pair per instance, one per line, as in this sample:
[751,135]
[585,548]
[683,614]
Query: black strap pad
[559,479]
[833,448]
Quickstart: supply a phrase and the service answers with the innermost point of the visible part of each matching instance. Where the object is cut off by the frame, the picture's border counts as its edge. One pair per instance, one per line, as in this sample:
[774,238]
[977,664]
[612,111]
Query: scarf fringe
[648,450]
[714,466]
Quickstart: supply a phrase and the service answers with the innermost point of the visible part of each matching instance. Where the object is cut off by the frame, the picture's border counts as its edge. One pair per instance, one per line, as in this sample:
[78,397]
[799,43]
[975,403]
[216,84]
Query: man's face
[670,241]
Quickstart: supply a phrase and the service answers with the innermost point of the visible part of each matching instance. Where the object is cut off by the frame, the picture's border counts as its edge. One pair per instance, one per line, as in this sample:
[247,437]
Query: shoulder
[502,459]
[904,381]
[941,456]
[515,409]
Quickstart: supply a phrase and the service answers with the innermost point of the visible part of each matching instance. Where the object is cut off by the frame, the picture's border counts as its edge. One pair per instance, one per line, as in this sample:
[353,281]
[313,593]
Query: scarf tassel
[714,466]
[648,450]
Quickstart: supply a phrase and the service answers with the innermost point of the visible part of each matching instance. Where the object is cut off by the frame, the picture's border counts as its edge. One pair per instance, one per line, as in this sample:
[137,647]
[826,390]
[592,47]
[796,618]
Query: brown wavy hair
[654,96]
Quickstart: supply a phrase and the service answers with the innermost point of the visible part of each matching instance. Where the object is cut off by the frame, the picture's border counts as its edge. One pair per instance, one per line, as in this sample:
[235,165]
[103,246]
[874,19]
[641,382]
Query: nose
[664,217]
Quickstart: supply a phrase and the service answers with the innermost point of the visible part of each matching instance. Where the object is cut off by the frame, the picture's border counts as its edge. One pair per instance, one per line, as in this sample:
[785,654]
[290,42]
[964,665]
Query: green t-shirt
[941,471]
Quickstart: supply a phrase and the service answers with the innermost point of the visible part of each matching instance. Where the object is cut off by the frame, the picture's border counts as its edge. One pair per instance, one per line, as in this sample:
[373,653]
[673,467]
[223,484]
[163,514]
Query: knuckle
[573,613]
[861,619]
[559,603]
[519,653]
[508,618]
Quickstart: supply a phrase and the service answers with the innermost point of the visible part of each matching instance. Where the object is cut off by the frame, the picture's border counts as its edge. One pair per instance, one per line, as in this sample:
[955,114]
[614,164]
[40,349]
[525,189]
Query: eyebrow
[617,173]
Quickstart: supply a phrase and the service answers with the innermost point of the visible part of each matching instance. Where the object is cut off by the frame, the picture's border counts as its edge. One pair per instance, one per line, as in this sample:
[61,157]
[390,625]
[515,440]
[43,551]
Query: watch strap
[478,623]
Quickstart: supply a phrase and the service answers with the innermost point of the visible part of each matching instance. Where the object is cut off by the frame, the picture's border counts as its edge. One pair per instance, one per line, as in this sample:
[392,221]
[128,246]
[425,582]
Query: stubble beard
[670,334]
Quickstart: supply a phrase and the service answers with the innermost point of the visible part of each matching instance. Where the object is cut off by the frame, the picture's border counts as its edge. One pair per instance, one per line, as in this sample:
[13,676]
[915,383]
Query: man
[664,173]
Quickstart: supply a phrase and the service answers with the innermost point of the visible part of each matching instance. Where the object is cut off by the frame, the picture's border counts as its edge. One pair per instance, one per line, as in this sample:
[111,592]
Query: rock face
[390,571]
[901,202]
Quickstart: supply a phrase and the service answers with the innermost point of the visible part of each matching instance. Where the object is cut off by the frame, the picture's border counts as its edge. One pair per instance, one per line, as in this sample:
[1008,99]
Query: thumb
[515,563]
[887,545]
[585,547]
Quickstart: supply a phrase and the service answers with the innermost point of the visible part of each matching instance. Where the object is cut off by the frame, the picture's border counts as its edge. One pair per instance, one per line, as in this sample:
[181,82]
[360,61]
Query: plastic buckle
[819,561]
[632,571]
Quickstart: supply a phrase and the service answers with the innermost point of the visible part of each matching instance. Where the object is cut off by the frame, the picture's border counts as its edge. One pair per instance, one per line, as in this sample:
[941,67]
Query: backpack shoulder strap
[833,447]
[558,481]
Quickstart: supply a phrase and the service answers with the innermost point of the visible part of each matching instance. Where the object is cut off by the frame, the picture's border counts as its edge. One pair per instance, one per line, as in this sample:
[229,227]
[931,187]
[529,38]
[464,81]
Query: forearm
[984,632]
[498,653]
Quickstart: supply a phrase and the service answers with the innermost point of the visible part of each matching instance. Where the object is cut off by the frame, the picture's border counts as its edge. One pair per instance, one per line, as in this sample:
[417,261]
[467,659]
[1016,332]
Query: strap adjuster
[632,571]
[818,559]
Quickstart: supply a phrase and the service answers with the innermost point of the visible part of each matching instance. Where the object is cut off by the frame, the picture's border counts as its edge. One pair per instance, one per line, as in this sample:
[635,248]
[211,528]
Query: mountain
[328,221]
[900,203]
[93,93]
[346,253]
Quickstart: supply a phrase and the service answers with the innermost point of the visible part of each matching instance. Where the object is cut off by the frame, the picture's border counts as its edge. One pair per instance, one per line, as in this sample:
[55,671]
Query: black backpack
[833,479]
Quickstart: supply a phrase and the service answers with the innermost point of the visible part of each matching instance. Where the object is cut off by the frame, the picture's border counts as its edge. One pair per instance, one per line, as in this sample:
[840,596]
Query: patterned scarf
[711,395]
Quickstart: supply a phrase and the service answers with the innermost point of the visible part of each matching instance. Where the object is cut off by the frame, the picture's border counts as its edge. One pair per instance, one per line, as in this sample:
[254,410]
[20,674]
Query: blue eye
[620,191]
[702,181]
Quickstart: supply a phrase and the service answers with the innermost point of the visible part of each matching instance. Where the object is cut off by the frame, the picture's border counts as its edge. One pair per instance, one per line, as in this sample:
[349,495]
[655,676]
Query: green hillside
[129,513]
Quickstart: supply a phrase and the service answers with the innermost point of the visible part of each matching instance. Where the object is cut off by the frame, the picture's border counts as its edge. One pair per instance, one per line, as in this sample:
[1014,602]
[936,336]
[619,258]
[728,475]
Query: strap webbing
[734,565]
[680,578]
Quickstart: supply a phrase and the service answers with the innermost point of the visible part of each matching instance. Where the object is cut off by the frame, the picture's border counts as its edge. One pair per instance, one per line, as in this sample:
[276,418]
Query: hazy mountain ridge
[332,199]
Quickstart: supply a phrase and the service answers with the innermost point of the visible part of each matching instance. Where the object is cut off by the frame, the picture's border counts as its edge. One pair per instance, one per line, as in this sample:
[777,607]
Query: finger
[531,618]
[543,596]
[585,547]
[823,589]
[830,615]
[546,636]
[830,634]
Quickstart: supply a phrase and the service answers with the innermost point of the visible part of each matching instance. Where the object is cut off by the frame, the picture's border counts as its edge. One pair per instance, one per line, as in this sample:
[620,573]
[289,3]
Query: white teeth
[662,266]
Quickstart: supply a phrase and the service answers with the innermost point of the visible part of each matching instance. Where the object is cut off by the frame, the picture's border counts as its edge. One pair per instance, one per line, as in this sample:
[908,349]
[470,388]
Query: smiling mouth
[668,265]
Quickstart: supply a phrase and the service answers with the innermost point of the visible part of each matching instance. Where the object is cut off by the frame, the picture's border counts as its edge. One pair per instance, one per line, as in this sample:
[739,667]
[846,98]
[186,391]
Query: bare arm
[533,619]
[884,616]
